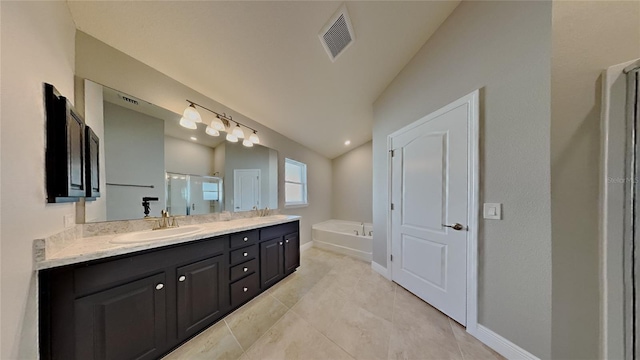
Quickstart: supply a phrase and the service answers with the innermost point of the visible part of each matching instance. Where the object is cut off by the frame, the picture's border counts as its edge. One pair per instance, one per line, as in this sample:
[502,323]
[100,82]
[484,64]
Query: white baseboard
[501,345]
[306,246]
[380,269]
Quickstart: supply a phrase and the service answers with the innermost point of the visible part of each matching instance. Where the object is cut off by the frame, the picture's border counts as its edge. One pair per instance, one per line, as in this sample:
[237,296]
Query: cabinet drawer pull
[245,238]
[280,242]
[245,254]
[245,289]
[182,278]
[287,241]
[159,286]
[245,269]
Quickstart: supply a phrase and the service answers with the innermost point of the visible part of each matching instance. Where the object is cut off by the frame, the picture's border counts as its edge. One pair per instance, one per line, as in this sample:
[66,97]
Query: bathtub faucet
[363,232]
[356,231]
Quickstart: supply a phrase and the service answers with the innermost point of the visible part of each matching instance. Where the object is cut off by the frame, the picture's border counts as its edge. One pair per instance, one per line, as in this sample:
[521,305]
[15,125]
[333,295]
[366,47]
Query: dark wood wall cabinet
[71,151]
[143,305]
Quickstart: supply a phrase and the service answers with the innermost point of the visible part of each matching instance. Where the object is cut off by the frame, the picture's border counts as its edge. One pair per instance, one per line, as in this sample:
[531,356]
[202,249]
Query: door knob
[159,286]
[182,278]
[456,226]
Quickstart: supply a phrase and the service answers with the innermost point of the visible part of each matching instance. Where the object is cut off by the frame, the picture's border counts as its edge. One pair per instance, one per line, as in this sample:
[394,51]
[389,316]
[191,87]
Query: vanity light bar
[220,123]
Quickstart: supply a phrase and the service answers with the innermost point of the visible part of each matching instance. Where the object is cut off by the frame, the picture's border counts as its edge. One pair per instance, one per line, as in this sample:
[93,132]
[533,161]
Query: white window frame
[305,198]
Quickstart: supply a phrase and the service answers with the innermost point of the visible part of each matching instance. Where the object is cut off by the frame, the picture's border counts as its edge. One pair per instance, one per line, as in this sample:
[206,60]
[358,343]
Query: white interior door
[246,189]
[429,192]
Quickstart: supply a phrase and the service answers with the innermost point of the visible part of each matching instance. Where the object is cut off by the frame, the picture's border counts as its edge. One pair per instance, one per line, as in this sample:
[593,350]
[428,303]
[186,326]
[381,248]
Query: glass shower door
[177,194]
[193,194]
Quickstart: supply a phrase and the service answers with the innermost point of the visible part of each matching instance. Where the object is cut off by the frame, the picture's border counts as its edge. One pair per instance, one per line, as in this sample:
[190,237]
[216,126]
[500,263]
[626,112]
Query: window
[210,191]
[295,183]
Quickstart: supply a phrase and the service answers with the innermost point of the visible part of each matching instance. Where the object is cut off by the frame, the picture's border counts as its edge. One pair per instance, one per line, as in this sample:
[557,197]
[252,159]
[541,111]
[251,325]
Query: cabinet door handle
[245,289]
[245,238]
[245,254]
[287,241]
[280,242]
[159,286]
[182,278]
[245,269]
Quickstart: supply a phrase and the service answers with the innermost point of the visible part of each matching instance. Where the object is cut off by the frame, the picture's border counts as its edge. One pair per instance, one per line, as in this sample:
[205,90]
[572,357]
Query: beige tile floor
[334,307]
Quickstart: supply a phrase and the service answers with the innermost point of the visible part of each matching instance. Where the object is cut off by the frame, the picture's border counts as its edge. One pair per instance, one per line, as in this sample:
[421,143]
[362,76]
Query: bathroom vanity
[140,301]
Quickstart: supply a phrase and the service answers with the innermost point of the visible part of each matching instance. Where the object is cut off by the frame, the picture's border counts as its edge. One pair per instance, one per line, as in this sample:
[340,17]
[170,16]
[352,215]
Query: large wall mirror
[147,154]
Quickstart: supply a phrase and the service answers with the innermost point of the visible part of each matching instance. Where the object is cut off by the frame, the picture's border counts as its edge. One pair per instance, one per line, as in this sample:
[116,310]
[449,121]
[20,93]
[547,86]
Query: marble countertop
[99,247]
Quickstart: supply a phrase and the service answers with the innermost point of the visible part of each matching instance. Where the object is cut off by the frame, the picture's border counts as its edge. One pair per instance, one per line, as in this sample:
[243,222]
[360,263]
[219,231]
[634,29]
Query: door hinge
[392,152]
[391,257]
[392,206]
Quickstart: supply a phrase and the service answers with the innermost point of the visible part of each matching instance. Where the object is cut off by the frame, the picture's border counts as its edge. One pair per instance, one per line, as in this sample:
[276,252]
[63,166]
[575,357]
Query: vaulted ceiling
[264,59]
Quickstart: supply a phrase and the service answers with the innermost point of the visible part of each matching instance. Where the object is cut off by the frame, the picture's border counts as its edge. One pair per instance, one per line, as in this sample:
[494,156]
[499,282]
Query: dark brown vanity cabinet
[144,304]
[200,295]
[280,254]
[271,262]
[291,252]
[125,322]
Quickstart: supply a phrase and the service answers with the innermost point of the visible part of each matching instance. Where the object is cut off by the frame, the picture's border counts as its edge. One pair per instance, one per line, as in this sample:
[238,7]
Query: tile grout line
[267,331]
[336,320]
[234,337]
[269,293]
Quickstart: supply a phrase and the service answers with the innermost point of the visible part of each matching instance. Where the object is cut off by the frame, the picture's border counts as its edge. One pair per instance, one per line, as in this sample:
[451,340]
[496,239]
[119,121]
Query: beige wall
[105,65]
[184,157]
[587,38]
[504,48]
[37,46]
[353,185]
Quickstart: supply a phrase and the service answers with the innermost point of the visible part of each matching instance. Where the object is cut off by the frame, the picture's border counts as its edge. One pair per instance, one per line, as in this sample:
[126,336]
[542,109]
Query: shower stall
[193,194]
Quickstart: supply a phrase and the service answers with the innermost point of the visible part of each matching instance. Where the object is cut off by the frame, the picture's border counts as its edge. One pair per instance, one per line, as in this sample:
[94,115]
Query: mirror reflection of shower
[193,194]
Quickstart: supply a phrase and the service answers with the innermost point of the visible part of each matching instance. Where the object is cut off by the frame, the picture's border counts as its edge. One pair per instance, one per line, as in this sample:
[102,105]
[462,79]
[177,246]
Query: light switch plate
[492,211]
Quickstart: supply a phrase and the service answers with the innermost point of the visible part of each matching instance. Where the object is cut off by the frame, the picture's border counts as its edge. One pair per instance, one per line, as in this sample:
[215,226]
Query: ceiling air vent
[337,34]
[129,100]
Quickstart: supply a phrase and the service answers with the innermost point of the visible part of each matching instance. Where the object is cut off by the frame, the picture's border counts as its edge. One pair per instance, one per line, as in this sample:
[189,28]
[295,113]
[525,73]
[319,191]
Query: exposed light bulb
[232,138]
[254,138]
[237,131]
[217,124]
[192,114]
[211,131]
[247,143]
[189,124]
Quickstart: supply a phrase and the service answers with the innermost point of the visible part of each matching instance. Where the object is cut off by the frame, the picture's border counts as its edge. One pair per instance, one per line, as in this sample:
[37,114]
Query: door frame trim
[473,186]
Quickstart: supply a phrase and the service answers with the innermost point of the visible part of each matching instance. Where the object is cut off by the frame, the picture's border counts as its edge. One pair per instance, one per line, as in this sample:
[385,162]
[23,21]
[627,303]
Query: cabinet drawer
[244,254]
[278,230]
[244,269]
[243,239]
[244,289]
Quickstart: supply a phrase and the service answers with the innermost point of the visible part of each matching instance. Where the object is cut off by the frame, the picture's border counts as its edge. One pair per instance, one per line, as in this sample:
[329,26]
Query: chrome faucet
[356,231]
[363,232]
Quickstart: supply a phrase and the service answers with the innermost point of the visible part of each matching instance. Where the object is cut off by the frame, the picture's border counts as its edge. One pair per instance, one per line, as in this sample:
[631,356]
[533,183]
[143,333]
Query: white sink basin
[154,235]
